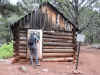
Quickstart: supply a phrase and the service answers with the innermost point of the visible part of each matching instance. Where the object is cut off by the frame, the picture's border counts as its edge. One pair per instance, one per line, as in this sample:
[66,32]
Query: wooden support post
[77,58]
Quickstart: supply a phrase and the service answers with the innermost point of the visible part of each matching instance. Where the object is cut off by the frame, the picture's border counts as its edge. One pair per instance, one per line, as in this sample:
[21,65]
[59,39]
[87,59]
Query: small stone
[45,70]
[23,68]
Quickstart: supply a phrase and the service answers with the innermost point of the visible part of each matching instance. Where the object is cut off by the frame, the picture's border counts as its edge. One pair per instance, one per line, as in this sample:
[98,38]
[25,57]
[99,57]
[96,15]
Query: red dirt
[89,64]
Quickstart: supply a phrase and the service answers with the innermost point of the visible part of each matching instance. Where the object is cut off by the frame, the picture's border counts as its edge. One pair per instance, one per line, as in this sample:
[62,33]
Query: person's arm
[29,43]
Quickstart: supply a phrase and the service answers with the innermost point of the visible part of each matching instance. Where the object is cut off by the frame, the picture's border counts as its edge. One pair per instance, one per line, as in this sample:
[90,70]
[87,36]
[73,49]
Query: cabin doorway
[39,43]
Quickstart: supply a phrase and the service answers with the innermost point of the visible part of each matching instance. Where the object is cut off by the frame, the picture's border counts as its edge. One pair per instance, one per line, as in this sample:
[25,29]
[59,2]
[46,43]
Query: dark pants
[34,53]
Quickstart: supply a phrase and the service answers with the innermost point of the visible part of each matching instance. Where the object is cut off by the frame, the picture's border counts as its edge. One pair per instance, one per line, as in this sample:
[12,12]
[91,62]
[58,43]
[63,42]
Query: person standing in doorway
[32,43]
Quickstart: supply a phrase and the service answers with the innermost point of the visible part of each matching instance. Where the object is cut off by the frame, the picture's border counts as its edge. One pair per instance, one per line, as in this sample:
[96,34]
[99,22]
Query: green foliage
[6,50]
[85,14]
[8,14]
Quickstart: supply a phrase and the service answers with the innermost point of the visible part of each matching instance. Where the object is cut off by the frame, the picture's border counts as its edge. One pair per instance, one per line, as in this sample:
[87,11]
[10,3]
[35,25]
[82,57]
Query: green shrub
[6,50]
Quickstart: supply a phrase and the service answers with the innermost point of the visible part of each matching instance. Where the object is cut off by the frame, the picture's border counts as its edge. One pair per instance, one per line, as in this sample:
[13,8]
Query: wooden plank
[58,37]
[58,34]
[67,59]
[22,31]
[57,44]
[22,37]
[57,55]
[58,50]
[22,48]
[22,42]
[56,40]
[56,47]
[22,51]
[24,45]
[22,54]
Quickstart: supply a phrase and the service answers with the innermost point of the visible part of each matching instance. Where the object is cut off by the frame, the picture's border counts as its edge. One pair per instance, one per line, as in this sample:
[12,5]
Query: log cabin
[58,34]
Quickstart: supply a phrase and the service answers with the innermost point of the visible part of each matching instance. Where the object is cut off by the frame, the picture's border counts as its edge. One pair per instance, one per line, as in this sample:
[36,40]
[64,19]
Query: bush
[6,50]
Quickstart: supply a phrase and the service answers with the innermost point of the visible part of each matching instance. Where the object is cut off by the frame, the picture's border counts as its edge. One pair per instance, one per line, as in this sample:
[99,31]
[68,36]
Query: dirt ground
[89,64]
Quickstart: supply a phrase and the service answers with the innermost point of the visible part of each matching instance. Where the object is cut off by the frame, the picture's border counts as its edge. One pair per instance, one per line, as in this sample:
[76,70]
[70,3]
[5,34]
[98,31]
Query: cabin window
[67,26]
[58,19]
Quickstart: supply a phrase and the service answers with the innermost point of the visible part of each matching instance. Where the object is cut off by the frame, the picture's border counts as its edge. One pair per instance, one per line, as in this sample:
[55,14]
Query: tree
[73,8]
[28,5]
[83,14]
[8,15]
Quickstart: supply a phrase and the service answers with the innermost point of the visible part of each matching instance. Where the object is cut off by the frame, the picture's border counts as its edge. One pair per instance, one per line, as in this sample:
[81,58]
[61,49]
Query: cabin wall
[62,24]
[52,14]
[56,43]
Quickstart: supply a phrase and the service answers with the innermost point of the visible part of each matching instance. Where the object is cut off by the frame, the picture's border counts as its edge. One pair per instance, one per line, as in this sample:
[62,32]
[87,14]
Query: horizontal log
[57,44]
[22,42]
[57,55]
[56,47]
[58,37]
[22,31]
[23,61]
[24,45]
[58,50]
[68,59]
[22,37]
[57,40]
[22,51]
[58,32]
[22,48]
[22,54]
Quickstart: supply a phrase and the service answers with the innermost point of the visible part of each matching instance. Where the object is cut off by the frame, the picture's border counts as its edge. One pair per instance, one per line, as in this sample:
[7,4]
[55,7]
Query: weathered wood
[58,37]
[57,44]
[22,48]
[58,34]
[58,50]
[22,37]
[57,55]
[57,47]
[22,31]
[22,54]
[67,59]
[23,45]
[22,51]
[56,40]
[22,42]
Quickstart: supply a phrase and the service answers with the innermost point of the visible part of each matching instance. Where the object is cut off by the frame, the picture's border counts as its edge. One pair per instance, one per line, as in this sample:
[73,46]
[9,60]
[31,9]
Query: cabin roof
[52,6]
